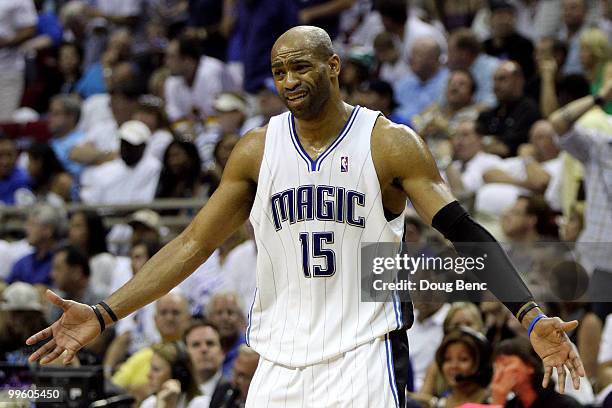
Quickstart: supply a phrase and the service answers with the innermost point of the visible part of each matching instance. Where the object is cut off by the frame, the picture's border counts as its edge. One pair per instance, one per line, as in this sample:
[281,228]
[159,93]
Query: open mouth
[294,97]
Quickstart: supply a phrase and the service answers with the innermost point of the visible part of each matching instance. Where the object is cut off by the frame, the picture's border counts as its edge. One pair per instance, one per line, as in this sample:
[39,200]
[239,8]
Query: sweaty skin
[305,72]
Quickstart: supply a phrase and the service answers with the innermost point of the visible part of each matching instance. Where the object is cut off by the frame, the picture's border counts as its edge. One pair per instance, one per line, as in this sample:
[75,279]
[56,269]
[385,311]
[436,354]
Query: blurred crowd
[109,102]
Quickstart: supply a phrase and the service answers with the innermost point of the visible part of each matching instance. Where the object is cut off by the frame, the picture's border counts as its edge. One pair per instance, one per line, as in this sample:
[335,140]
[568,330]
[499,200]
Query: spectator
[204,348]
[549,55]
[69,63]
[527,221]
[86,231]
[223,148]
[465,52]
[64,115]
[324,14]
[596,58]
[269,104]
[506,42]
[425,334]
[207,22]
[440,119]
[171,319]
[574,23]
[239,268]
[151,112]
[138,330]
[179,177]
[50,182]
[259,24]
[81,28]
[244,370]
[118,12]
[407,27]
[572,225]
[129,179]
[24,315]
[18,21]
[12,177]
[518,369]
[171,379]
[463,358]
[592,148]
[465,173]
[391,67]
[43,229]
[225,312]
[499,324]
[145,225]
[378,95]
[70,274]
[425,84]
[537,170]
[510,120]
[195,81]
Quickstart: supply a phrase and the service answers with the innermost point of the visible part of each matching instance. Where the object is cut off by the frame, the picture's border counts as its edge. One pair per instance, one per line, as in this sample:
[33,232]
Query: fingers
[52,356]
[69,356]
[569,326]
[55,299]
[547,374]
[574,358]
[41,335]
[561,376]
[41,351]
[574,374]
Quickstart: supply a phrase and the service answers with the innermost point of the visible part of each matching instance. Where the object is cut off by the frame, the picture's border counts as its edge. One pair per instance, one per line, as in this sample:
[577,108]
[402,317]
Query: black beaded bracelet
[100,318]
[526,310]
[110,312]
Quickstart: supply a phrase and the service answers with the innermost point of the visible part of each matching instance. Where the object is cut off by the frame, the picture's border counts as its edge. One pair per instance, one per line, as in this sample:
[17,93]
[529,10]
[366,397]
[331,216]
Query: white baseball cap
[21,296]
[148,218]
[228,102]
[134,132]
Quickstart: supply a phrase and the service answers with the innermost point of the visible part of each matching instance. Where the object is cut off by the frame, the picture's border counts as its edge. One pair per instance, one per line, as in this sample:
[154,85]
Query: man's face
[424,58]
[244,369]
[459,89]
[131,154]
[171,316]
[230,121]
[303,80]
[466,142]
[59,122]
[269,103]
[226,315]
[61,273]
[574,12]
[204,348]
[139,256]
[513,367]
[8,157]
[515,221]
[502,23]
[542,139]
[122,107]
[506,84]
[37,232]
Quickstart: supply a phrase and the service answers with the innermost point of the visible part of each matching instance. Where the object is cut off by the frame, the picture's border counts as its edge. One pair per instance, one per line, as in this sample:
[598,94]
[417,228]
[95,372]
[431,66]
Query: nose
[291,80]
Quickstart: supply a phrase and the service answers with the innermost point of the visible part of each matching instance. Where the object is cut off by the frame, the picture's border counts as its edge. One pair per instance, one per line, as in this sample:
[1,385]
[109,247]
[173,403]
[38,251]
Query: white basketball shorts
[370,376]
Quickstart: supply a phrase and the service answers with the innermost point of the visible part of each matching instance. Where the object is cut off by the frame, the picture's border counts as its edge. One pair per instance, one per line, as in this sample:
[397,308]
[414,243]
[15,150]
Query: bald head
[425,57]
[308,38]
[508,82]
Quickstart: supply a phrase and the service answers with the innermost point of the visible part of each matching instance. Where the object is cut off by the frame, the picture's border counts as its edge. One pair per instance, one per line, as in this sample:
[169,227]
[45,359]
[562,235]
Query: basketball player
[316,182]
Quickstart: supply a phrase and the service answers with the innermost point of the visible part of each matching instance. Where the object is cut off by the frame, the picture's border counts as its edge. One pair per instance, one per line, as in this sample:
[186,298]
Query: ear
[334,65]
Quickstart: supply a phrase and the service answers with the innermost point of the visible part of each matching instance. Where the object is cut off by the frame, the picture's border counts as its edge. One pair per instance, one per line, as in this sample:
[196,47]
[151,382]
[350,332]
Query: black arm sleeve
[500,275]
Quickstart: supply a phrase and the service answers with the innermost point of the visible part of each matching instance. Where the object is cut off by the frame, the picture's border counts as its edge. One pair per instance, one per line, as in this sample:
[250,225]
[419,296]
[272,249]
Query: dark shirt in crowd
[17,180]
[32,270]
[510,122]
[208,14]
[516,48]
[260,23]
[329,24]
[546,399]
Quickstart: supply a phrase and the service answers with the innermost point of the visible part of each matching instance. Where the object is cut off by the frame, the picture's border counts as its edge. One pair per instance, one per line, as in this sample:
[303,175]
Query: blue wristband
[533,323]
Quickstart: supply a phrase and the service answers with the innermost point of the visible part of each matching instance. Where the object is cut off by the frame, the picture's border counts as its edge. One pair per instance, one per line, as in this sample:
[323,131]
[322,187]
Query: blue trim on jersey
[315,165]
[391,370]
[397,307]
[248,330]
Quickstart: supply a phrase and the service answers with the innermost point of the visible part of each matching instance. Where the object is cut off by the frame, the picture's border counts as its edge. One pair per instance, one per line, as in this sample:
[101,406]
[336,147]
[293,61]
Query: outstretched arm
[408,162]
[226,210]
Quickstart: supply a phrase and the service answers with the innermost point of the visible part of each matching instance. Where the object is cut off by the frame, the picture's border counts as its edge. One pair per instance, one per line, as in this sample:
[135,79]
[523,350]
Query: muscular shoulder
[398,151]
[247,154]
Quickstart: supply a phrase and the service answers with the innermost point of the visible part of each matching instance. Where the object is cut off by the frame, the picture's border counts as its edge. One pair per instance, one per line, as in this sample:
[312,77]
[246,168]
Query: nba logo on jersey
[344,164]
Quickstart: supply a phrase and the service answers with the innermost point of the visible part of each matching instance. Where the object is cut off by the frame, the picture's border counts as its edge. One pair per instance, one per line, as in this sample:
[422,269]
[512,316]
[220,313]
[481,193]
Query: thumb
[56,299]
[569,326]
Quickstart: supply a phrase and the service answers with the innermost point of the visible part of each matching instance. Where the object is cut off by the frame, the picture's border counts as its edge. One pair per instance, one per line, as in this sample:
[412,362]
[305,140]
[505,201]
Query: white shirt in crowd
[208,388]
[424,338]
[471,176]
[11,252]
[14,15]
[101,268]
[201,401]
[119,8]
[239,269]
[605,348]
[203,283]
[95,110]
[142,328]
[159,141]
[212,78]
[116,183]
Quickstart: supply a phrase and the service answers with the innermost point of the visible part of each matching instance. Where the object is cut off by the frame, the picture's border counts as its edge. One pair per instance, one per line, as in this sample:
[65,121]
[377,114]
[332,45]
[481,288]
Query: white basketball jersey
[310,218]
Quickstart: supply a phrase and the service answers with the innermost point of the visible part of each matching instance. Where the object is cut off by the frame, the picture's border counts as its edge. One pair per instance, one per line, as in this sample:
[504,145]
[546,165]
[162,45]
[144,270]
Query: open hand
[550,341]
[77,327]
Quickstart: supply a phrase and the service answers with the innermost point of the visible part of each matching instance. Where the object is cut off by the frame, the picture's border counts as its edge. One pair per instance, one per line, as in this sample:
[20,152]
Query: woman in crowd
[87,232]
[595,57]
[171,379]
[180,173]
[50,182]
[69,61]
[518,369]
[464,360]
